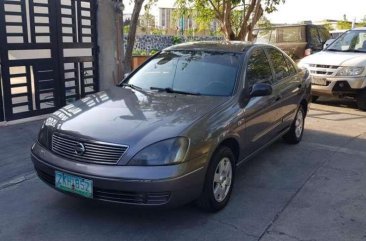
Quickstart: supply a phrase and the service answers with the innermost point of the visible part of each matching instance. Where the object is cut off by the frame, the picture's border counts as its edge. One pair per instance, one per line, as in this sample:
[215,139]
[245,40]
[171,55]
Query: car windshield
[351,41]
[189,72]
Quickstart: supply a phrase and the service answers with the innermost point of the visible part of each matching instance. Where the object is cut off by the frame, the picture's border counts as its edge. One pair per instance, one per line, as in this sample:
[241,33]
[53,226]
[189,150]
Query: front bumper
[134,185]
[339,87]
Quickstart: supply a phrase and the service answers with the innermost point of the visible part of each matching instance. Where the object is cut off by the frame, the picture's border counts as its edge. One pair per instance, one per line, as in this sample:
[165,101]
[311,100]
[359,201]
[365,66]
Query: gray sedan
[175,130]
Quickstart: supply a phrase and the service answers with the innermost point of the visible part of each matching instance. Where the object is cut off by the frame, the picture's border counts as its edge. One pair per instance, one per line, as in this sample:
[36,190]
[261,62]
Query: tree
[344,25]
[147,22]
[328,26]
[132,35]
[237,18]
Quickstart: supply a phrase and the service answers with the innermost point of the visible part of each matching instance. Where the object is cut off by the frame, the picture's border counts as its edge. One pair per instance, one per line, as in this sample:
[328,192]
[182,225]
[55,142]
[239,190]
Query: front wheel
[361,100]
[294,135]
[219,181]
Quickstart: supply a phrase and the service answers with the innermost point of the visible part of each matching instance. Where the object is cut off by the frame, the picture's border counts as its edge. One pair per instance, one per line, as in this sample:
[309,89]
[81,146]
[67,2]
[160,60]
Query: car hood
[335,58]
[126,116]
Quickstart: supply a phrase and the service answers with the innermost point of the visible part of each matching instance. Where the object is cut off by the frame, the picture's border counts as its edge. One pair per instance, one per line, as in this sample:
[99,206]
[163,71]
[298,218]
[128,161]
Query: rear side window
[291,34]
[259,69]
[279,64]
[314,36]
[324,34]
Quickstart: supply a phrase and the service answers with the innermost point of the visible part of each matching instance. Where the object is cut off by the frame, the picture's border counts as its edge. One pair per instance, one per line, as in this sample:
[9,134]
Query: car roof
[221,46]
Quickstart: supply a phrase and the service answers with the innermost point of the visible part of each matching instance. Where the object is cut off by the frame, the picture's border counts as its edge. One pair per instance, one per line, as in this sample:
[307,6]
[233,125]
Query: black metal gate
[48,52]
[1,99]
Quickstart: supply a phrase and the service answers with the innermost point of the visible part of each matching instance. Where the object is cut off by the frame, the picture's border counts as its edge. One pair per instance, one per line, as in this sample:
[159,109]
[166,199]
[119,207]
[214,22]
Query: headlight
[43,135]
[350,71]
[167,152]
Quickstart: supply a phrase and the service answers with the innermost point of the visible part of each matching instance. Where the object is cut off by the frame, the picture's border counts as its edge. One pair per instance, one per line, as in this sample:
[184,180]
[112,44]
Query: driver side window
[258,69]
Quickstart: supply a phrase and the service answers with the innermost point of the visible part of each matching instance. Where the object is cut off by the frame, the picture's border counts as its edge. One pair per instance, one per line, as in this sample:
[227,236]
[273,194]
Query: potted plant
[139,56]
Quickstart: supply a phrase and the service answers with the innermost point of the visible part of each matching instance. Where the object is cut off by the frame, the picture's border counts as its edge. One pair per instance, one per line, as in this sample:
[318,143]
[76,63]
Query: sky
[294,11]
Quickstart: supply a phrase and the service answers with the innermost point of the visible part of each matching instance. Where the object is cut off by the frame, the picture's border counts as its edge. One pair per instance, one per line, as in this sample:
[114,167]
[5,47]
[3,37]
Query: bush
[177,40]
[137,52]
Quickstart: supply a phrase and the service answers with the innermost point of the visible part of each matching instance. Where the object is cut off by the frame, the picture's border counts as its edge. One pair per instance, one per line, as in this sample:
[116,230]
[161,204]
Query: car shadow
[264,185]
[337,102]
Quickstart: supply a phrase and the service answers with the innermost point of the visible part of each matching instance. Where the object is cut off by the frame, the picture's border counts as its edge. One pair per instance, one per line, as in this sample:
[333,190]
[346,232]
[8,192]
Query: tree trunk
[132,35]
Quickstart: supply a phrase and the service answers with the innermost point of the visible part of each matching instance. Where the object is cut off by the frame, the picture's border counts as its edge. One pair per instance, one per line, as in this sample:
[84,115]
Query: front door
[259,114]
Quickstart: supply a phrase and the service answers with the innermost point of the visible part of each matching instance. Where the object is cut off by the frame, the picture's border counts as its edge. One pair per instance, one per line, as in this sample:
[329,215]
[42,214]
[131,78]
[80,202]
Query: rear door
[259,113]
[286,86]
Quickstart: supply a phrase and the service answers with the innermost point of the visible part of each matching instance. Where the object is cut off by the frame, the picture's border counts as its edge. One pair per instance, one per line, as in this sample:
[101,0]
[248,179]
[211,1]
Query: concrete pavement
[312,191]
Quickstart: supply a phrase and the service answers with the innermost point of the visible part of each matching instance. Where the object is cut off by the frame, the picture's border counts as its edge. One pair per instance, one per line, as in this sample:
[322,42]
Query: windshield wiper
[356,51]
[334,50]
[132,86]
[170,90]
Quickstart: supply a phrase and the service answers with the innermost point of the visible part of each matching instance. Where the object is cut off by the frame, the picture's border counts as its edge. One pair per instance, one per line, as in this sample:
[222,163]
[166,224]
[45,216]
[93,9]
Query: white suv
[340,69]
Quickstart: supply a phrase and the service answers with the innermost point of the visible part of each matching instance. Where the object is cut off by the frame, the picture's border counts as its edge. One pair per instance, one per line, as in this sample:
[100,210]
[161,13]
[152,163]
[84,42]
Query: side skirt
[263,147]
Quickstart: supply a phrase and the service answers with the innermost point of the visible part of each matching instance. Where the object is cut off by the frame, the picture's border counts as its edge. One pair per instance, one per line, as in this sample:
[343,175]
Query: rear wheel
[361,100]
[219,181]
[294,135]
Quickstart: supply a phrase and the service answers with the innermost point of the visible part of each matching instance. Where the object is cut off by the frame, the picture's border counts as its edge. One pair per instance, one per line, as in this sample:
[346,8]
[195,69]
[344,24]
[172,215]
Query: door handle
[278,97]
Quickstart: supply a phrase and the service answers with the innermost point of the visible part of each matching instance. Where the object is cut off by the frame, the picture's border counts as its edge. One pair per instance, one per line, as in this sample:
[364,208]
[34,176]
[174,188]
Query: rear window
[282,35]
[291,34]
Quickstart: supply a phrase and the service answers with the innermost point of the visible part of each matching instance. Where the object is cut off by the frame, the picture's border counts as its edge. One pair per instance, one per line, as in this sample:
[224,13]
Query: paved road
[312,191]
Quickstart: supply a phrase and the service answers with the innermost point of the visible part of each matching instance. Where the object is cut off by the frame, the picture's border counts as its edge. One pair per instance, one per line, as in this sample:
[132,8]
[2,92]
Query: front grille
[95,152]
[147,198]
[153,198]
[323,70]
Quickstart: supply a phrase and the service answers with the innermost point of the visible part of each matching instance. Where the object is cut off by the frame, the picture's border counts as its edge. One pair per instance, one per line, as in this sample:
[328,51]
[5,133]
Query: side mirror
[329,42]
[261,89]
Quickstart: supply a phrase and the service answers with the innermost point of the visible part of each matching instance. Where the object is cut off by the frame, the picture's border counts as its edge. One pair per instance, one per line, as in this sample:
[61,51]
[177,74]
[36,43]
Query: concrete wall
[107,44]
[159,42]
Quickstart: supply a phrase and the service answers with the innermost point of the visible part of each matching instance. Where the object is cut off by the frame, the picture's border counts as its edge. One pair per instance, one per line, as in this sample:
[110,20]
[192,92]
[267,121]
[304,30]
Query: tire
[361,100]
[314,98]
[294,135]
[217,188]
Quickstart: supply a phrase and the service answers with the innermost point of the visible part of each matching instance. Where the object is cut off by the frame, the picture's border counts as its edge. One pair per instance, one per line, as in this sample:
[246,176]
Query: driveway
[312,191]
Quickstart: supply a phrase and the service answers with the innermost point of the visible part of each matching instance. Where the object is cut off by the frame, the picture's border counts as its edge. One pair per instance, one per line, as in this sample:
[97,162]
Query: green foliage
[328,26]
[143,52]
[153,51]
[177,40]
[344,25]
[236,17]
[264,23]
[126,29]
[156,31]
[138,52]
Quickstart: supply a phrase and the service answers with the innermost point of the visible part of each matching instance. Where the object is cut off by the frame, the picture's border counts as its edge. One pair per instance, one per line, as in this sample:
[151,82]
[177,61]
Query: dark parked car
[297,41]
[176,128]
